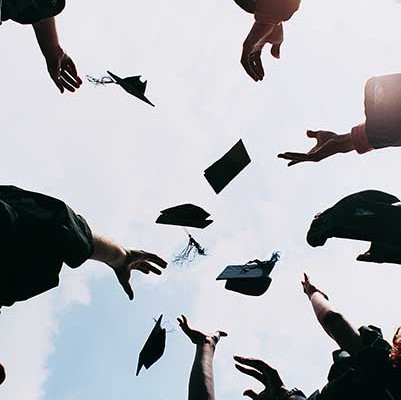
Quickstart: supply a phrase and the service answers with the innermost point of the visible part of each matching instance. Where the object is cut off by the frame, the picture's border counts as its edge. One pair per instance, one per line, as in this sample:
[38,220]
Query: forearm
[334,324]
[201,382]
[107,251]
[46,35]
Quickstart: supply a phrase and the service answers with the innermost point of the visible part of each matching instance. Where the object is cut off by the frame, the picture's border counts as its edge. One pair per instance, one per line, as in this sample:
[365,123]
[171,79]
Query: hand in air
[62,70]
[198,337]
[309,288]
[328,144]
[265,374]
[137,260]
[259,35]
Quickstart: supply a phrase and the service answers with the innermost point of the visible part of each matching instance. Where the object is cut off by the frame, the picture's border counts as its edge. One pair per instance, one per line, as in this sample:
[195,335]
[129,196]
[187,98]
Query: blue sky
[118,162]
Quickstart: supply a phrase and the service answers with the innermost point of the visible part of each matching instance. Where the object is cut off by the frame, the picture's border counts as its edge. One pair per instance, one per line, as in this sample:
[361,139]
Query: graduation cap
[224,170]
[251,278]
[153,348]
[131,84]
[186,215]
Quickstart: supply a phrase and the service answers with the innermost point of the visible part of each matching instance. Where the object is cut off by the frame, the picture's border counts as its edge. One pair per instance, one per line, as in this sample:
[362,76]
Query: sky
[118,162]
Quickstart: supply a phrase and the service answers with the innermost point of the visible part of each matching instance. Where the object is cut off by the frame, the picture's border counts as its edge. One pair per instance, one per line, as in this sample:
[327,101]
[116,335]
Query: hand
[328,144]
[62,70]
[136,260]
[309,289]
[259,35]
[265,374]
[198,337]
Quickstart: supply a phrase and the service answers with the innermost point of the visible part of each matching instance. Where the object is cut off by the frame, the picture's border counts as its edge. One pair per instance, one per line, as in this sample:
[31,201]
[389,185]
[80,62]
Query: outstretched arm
[201,381]
[123,261]
[336,326]
[61,68]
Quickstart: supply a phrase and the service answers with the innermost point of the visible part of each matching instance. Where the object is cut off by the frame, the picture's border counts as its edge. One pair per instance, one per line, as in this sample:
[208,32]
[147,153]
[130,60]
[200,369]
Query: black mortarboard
[251,278]
[154,347]
[224,170]
[185,215]
[131,84]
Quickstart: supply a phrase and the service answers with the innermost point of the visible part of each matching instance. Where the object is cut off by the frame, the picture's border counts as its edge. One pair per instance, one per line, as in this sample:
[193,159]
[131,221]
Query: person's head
[2,374]
[396,350]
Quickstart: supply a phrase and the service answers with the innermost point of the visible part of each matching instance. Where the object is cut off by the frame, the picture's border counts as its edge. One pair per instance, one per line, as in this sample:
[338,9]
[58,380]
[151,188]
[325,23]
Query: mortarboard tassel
[99,81]
[191,251]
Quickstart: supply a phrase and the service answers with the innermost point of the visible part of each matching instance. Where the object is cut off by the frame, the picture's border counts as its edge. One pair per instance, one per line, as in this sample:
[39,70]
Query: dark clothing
[368,375]
[30,11]
[37,234]
[369,215]
[383,111]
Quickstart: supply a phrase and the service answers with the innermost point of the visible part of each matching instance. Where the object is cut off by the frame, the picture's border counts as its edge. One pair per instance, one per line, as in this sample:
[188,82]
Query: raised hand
[328,144]
[309,288]
[265,374]
[198,337]
[137,260]
[259,35]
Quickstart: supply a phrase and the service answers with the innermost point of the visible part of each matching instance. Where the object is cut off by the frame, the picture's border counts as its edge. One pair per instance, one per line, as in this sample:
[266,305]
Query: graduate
[201,381]
[41,15]
[365,367]
[39,233]
[267,28]
[382,127]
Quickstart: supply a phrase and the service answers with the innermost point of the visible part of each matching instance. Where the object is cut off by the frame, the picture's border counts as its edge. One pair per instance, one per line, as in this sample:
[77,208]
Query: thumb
[250,393]
[128,289]
[275,50]
[312,134]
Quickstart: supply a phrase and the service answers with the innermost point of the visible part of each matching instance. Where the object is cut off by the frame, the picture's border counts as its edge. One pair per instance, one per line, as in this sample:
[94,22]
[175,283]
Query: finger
[291,163]
[257,66]
[72,69]
[68,78]
[251,372]
[57,80]
[312,134]
[250,393]
[66,85]
[275,50]
[247,66]
[154,258]
[366,257]
[254,363]
[222,333]
[296,157]
[146,267]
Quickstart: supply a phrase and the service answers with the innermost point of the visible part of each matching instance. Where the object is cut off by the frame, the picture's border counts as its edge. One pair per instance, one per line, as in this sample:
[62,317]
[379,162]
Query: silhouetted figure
[201,381]
[41,15]
[365,368]
[268,28]
[382,127]
[39,233]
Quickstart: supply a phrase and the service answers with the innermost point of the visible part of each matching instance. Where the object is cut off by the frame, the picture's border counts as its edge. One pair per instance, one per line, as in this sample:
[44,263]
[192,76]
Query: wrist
[346,143]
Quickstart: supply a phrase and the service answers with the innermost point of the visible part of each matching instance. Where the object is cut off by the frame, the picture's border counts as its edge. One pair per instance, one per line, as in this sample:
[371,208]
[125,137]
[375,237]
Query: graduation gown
[30,11]
[367,375]
[38,234]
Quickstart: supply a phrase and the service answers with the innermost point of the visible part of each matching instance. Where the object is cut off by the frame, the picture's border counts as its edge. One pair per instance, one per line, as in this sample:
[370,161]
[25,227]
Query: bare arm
[201,381]
[123,261]
[335,325]
[61,68]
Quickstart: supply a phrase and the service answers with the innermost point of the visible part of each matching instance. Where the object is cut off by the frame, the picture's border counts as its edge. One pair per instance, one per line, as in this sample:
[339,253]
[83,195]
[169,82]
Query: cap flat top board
[185,215]
[224,170]
[132,85]
[153,348]
[252,278]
